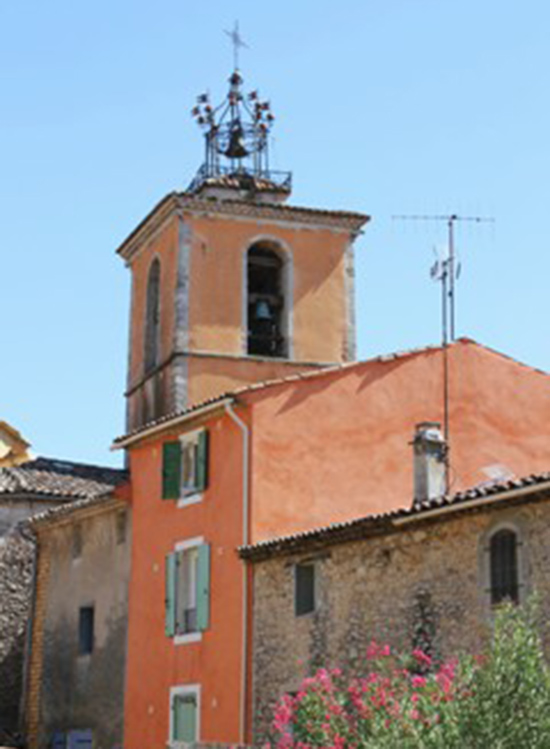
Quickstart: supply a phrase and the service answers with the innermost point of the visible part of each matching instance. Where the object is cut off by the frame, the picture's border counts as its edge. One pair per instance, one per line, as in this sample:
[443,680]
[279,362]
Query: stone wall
[67,690]
[16,561]
[422,585]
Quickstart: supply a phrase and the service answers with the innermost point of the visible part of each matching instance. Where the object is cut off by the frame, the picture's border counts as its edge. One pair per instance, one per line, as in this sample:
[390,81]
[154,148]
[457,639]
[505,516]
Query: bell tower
[230,284]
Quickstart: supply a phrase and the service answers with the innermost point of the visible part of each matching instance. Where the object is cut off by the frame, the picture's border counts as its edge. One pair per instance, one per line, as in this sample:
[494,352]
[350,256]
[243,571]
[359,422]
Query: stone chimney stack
[429,461]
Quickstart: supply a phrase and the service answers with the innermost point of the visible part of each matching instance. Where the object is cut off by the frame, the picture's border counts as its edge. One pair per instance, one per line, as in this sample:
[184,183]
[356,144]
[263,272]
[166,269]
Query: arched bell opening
[267,302]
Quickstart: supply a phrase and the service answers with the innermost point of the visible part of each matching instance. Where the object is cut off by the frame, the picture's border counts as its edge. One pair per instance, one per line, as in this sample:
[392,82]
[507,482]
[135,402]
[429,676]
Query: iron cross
[238,42]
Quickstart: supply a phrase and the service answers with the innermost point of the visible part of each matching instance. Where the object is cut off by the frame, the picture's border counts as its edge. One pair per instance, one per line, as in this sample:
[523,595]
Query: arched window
[267,308]
[152,317]
[503,566]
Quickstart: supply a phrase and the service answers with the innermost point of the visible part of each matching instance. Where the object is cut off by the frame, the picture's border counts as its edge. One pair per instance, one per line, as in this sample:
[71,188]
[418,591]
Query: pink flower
[418,682]
[421,657]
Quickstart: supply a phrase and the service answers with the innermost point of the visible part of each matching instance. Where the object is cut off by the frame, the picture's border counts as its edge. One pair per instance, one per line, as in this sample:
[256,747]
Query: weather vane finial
[238,42]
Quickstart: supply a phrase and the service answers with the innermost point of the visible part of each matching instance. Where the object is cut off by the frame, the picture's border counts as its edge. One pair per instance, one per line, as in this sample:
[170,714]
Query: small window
[86,630]
[185,715]
[152,318]
[185,466]
[187,590]
[304,588]
[503,554]
[121,522]
[77,542]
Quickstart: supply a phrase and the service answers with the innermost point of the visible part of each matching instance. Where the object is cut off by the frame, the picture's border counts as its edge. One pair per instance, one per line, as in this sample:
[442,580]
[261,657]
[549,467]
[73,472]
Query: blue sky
[394,107]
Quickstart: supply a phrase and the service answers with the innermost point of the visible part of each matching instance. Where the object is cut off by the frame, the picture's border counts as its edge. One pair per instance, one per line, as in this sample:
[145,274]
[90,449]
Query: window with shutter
[85,630]
[504,582]
[184,718]
[170,595]
[171,470]
[185,467]
[304,588]
[187,593]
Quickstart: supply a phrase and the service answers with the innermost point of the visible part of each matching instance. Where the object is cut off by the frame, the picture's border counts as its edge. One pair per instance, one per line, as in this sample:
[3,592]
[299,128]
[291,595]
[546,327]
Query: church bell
[236,148]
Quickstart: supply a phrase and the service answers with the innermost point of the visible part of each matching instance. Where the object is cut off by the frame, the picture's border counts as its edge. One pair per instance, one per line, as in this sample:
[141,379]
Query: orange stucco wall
[215,311]
[163,245]
[218,286]
[208,376]
[155,663]
[338,446]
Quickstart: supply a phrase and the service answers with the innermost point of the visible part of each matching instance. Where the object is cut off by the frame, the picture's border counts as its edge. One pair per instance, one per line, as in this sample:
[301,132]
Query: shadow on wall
[16,559]
[84,690]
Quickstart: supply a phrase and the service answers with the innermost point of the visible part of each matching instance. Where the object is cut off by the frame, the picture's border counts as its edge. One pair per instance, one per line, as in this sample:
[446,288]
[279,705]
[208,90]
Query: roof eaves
[175,418]
[352,530]
[57,514]
[172,420]
[349,220]
[160,212]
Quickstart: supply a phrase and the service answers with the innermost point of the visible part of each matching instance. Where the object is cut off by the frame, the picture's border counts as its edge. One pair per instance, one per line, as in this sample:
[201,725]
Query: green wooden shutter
[170,594]
[203,587]
[185,718]
[202,461]
[171,470]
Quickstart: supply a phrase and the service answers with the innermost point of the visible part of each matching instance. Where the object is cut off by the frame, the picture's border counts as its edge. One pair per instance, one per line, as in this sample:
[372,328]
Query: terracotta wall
[155,662]
[338,446]
[211,255]
[218,265]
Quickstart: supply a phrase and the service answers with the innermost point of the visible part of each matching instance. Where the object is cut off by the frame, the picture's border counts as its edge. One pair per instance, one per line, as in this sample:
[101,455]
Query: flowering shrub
[500,700]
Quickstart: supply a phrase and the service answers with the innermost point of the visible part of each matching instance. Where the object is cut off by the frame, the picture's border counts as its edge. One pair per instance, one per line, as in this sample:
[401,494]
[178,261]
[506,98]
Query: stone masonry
[67,690]
[16,562]
[425,584]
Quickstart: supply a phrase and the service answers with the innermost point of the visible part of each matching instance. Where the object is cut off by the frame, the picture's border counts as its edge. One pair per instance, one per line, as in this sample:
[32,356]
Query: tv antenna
[447,271]
[453,269]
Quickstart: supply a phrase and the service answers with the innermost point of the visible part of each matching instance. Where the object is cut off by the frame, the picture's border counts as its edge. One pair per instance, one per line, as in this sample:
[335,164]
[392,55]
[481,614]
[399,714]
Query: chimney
[430,451]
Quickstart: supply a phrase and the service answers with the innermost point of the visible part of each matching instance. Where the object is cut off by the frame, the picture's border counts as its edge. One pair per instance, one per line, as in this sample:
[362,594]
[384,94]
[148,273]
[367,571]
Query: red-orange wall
[337,446]
[155,663]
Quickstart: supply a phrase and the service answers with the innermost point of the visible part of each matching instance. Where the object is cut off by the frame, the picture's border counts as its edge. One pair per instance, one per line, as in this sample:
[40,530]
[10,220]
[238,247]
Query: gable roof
[353,530]
[66,511]
[59,479]
[172,419]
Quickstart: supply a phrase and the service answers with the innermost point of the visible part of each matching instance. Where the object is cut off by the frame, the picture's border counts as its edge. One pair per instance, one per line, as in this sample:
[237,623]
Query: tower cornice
[182,203]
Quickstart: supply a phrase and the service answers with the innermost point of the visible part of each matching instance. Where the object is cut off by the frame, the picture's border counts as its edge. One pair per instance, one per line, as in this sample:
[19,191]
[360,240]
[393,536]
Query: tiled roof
[237,181]
[48,477]
[353,530]
[264,384]
[53,514]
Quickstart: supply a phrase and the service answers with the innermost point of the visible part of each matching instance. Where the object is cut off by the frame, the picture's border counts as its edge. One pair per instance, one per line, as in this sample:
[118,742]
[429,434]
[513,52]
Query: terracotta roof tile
[356,529]
[48,477]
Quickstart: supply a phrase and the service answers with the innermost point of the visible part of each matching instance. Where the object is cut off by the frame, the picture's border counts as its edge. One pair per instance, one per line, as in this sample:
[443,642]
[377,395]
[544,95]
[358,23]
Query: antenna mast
[446,271]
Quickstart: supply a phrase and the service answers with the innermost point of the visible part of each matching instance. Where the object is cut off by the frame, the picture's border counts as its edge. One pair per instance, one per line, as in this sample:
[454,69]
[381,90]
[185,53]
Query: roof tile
[60,479]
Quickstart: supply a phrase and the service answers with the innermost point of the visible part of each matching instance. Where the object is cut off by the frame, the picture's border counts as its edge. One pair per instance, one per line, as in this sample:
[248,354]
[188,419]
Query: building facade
[429,577]
[260,463]
[29,489]
[77,648]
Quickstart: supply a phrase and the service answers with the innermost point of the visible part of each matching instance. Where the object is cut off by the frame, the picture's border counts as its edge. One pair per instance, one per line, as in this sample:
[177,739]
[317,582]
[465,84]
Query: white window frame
[188,637]
[189,496]
[183,690]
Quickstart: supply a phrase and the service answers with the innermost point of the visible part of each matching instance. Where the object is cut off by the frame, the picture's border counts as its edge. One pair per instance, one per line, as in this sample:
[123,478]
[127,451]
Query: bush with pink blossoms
[500,700]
